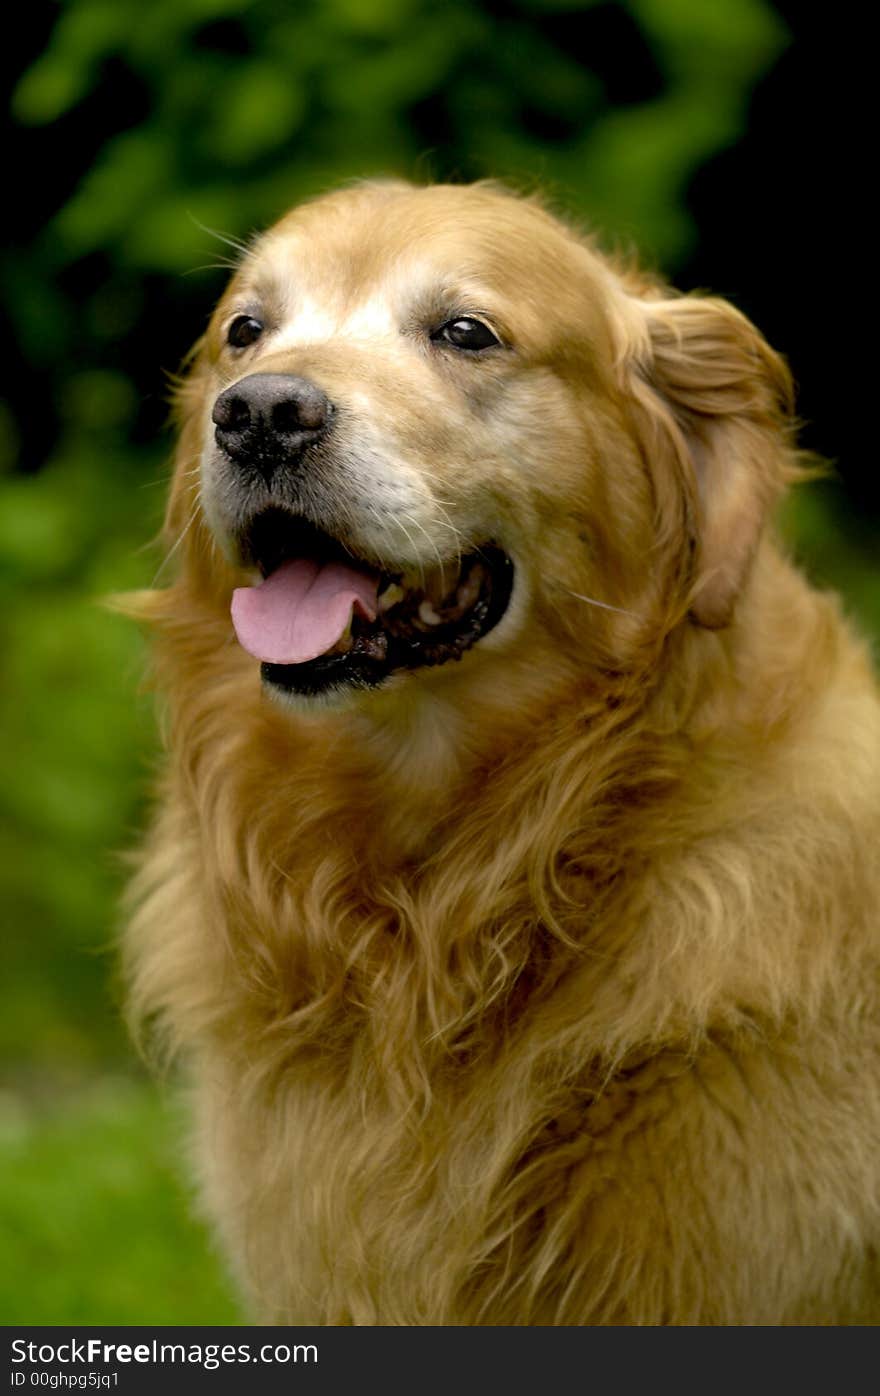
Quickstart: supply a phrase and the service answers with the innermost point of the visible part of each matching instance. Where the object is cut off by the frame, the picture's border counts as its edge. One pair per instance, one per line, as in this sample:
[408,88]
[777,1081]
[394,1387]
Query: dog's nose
[267,419]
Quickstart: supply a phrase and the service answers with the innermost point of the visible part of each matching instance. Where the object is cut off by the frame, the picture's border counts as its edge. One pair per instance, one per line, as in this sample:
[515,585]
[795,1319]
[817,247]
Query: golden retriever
[512,898]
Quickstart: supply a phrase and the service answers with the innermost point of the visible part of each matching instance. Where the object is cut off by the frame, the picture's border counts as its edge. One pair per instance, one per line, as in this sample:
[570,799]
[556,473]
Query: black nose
[267,420]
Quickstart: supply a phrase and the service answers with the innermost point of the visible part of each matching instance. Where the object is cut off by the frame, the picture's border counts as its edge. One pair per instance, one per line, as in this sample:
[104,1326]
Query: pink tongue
[301,610]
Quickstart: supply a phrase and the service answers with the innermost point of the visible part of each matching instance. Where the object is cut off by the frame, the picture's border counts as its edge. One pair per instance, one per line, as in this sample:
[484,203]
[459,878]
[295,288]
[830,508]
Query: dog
[511,899]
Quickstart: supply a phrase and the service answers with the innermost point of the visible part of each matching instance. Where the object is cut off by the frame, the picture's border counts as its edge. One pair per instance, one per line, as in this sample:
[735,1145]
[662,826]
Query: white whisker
[173,549]
[235,243]
[225,264]
[403,526]
[433,547]
[604,605]
[446,522]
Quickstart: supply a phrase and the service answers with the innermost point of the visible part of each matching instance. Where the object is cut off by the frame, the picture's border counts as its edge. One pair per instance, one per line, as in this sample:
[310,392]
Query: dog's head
[432,424]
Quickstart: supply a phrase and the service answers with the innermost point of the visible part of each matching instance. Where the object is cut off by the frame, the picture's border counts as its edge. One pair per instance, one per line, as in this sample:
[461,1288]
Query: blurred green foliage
[95,1222]
[248,106]
[153,124]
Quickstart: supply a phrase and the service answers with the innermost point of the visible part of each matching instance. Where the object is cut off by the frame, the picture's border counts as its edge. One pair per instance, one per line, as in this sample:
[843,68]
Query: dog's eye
[243,331]
[466,333]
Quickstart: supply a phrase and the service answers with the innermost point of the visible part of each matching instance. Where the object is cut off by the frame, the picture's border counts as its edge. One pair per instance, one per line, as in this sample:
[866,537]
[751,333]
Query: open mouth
[323,618]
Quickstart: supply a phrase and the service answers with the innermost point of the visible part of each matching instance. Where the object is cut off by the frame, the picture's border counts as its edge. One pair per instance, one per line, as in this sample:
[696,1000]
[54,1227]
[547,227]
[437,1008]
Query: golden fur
[539,988]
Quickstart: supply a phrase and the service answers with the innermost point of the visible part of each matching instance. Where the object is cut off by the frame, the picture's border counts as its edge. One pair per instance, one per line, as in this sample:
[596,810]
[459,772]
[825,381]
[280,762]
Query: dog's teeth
[470,588]
[428,615]
[390,596]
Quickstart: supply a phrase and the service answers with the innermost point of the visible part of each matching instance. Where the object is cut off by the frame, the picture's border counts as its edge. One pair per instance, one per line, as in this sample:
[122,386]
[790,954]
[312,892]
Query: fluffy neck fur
[413,927]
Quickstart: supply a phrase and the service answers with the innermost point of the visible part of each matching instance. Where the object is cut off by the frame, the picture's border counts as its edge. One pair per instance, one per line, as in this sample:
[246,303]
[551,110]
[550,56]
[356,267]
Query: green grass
[95,1222]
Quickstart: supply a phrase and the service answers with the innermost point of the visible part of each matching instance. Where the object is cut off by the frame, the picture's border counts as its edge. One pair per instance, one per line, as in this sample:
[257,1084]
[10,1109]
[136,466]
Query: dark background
[717,138]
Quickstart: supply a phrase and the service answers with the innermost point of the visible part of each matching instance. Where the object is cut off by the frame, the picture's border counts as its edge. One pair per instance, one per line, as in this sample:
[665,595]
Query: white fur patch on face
[317,322]
[309,321]
[312,322]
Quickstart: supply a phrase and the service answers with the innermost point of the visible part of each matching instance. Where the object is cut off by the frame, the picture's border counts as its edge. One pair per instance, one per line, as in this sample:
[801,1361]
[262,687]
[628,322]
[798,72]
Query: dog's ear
[714,397]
